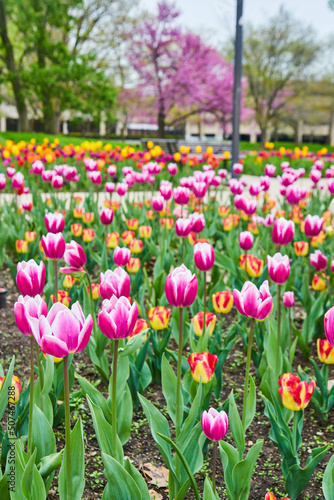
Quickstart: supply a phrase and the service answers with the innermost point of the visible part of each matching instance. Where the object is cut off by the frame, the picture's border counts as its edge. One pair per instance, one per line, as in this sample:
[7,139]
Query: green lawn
[63,139]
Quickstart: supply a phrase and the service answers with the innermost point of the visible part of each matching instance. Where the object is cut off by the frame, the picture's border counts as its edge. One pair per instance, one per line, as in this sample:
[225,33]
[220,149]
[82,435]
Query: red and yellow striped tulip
[76,229]
[13,390]
[112,240]
[222,302]
[132,224]
[127,236]
[88,217]
[325,351]
[254,265]
[320,238]
[136,246]
[159,317]
[150,214]
[145,231]
[95,290]
[88,235]
[301,248]
[140,326]
[167,222]
[77,213]
[202,366]
[30,236]
[63,298]
[21,246]
[68,281]
[318,283]
[295,394]
[210,320]
[133,265]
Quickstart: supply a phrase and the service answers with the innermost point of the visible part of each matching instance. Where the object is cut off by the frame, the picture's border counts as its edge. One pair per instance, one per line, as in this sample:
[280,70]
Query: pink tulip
[172,169]
[54,223]
[204,256]
[236,186]
[293,195]
[157,203]
[222,173]
[63,331]
[26,308]
[197,222]
[199,189]
[288,299]
[239,202]
[154,168]
[121,256]
[253,302]
[315,176]
[127,170]
[249,206]
[106,216]
[329,325]
[332,266]
[130,180]
[166,190]
[331,186]
[318,260]
[57,182]
[115,283]
[237,168]
[47,175]
[265,183]
[10,171]
[181,287]
[181,195]
[95,177]
[216,181]
[109,187]
[199,176]
[278,268]
[183,227]
[30,277]
[90,164]
[3,181]
[117,318]
[112,170]
[313,225]
[318,164]
[287,179]
[214,424]
[255,189]
[53,245]
[75,255]
[246,240]
[270,170]
[37,167]
[17,180]
[70,173]
[283,231]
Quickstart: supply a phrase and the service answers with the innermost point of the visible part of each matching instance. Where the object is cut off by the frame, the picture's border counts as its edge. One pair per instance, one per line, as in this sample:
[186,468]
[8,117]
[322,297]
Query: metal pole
[237,84]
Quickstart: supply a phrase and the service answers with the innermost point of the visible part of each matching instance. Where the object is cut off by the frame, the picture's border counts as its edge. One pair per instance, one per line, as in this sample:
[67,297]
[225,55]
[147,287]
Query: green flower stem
[114,400]
[182,258]
[290,324]
[214,459]
[179,409]
[40,373]
[204,309]
[31,397]
[278,326]
[67,429]
[92,311]
[249,351]
[56,280]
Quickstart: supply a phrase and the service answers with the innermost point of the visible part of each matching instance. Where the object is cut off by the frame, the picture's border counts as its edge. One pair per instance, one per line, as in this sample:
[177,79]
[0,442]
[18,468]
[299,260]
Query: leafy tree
[276,54]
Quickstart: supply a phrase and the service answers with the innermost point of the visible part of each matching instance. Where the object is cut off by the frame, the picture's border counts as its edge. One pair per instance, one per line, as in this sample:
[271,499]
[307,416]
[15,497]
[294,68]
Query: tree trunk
[331,129]
[15,80]
[264,134]
[161,125]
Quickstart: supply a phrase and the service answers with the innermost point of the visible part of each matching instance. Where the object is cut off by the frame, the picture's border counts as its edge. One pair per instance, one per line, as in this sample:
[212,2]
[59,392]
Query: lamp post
[237,84]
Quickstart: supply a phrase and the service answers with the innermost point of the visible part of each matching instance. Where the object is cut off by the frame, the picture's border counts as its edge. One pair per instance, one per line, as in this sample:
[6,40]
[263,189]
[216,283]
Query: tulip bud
[53,245]
[246,240]
[210,320]
[313,225]
[329,325]
[88,235]
[30,277]
[115,283]
[159,317]
[202,366]
[133,265]
[278,268]
[75,255]
[132,224]
[117,318]
[54,223]
[295,394]
[283,231]
[289,299]
[214,424]
[181,287]
[26,308]
[121,256]
[253,302]
[14,389]
[301,248]
[106,216]
[112,240]
[204,256]
[318,260]
[325,351]
[222,302]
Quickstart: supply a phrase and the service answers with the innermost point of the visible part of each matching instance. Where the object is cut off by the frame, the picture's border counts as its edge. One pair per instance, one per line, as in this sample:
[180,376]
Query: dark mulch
[141,447]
